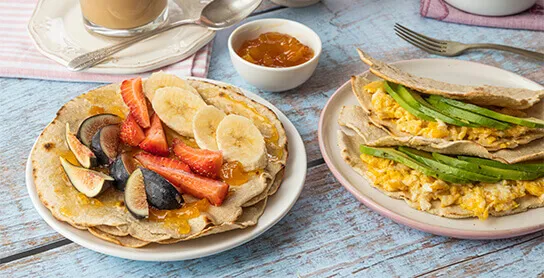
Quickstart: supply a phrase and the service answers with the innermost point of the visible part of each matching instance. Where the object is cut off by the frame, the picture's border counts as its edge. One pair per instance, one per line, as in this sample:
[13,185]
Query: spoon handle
[92,58]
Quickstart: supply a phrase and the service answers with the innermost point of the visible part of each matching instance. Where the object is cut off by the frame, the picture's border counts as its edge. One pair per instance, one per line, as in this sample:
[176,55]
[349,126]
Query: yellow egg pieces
[478,198]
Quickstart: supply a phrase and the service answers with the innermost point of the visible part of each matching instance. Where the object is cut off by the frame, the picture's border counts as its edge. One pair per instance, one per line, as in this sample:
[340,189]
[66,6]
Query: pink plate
[449,70]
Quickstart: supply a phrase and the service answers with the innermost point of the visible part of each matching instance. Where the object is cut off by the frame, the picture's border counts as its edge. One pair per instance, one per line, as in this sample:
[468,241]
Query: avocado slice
[392,154]
[412,110]
[526,167]
[416,101]
[503,174]
[427,159]
[450,110]
[528,122]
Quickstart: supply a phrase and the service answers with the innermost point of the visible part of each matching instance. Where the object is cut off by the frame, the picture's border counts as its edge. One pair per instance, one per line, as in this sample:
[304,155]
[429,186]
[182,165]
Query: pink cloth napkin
[532,19]
[20,58]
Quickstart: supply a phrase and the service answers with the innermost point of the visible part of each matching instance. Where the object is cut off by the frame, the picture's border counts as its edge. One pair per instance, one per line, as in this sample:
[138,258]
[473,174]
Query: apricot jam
[233,173]
[275,50]
[179,218]
[171,134]
[82,202]
[116,110]
[96,110]
[69,156]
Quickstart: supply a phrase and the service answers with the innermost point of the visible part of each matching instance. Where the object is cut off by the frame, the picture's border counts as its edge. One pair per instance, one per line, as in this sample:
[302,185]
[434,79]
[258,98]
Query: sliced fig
[121,169]
[105,144]
[90,126]
[83,154]
[135,197]
[89,182]
[161,194]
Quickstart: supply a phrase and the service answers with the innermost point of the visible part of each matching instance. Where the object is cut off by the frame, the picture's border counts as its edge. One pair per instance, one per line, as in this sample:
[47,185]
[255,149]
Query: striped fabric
[20,58]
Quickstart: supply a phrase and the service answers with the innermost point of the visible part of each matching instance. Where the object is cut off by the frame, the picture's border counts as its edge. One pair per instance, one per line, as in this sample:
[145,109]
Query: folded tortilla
[349,142]
[484,95]
[365,100]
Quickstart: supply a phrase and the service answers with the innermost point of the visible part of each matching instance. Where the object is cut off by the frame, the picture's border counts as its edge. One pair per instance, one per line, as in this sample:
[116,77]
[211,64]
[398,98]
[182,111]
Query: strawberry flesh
[203,162]
[131,133]
[134,98]
[213,190]
[149,160]
[155,139]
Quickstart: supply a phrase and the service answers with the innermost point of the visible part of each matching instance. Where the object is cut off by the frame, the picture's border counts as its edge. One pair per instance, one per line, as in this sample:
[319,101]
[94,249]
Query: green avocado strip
[427,159]
[503,174]
[412,110]
[417,101]
[527,167]
[450,110]
[528,122]
[392,154]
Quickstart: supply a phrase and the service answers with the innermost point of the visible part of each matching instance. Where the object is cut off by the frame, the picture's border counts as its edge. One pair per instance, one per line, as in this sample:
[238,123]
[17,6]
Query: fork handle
[527,53]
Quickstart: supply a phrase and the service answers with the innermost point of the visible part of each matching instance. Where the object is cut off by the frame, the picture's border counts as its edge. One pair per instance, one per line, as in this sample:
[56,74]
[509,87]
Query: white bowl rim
[317,52]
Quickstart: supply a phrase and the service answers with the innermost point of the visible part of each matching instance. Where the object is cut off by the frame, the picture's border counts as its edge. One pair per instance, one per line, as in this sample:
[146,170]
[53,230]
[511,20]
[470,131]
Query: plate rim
[131,253]
[135,68]
[415,224]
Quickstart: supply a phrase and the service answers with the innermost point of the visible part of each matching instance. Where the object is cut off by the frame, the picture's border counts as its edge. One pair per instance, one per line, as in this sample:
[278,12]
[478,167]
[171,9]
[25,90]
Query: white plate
[277,207]
[448,70]
[56,27]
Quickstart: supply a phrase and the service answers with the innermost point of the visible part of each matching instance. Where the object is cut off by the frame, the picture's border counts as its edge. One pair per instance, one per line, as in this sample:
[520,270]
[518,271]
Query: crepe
[119,234]
[357,120]
[365,100]
[107,218]
[484,95]
[349,142]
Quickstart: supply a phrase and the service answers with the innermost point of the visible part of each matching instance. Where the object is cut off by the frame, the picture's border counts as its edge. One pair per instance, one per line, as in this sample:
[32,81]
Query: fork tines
[428,44]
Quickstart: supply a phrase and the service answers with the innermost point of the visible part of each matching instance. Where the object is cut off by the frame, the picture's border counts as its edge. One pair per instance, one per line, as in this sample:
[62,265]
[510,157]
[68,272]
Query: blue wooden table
[328,232]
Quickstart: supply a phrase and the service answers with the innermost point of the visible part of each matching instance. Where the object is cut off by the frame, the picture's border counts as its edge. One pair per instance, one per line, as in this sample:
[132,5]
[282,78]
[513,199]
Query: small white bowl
[274,79]
[492,7]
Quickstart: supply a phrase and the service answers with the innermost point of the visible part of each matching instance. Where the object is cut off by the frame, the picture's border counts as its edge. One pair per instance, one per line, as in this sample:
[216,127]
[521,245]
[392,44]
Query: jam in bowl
[274,54]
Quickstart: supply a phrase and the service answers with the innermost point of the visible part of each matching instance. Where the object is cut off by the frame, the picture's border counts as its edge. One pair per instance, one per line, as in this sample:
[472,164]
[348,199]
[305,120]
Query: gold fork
[452,48]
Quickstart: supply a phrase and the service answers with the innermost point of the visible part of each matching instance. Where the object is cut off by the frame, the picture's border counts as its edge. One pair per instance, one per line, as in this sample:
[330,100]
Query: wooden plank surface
[369,244]
[327,233]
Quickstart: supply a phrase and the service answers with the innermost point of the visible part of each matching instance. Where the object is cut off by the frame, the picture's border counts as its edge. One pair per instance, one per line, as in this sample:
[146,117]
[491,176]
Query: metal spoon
[217,15]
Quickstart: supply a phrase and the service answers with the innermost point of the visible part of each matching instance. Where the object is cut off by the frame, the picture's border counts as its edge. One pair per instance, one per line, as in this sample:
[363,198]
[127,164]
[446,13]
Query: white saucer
[277,207]
[56,27]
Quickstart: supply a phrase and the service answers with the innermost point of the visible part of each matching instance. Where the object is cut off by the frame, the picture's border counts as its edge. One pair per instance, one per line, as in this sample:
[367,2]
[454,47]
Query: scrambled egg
[388,109]
[479,198]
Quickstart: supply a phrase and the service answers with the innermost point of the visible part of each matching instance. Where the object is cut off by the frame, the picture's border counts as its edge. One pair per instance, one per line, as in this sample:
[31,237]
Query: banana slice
[160,79]
[176,108]
[240,140]
[205,124]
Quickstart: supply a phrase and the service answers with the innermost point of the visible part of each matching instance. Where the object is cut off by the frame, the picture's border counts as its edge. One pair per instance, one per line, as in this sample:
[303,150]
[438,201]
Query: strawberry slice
[155,139]
[203,162]
[149,160]
[213,190]
[133,96]
[131,133]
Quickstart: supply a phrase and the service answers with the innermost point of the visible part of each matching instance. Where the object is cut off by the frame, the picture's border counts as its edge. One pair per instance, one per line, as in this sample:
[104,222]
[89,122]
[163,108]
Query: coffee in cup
[123,17]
